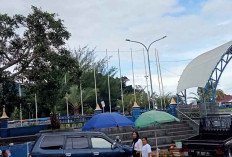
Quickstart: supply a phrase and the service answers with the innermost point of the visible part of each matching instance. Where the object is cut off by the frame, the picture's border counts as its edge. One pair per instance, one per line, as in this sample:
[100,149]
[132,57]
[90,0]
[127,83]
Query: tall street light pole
[119,64]
[95,83]
[133,74]
[108,79]
[20,107]
[36,109]
[148,59]
[148,96]
[65,81]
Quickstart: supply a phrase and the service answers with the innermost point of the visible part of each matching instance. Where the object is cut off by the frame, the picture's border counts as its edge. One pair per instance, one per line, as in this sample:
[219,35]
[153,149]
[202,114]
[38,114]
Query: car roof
[78,133]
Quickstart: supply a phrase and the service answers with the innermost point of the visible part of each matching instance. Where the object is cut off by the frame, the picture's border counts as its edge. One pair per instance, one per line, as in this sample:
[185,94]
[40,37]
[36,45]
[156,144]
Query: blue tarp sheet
[107,120]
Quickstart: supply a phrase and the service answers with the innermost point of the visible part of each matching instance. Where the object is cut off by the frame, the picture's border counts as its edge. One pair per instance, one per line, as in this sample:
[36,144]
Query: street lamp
[148,59]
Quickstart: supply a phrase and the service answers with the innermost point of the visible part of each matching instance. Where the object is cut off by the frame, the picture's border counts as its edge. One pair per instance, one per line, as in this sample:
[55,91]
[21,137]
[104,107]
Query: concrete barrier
[22,131]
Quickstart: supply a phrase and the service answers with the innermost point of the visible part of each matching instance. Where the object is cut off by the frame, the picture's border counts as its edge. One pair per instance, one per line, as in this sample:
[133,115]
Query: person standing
[136,144]
[146,149]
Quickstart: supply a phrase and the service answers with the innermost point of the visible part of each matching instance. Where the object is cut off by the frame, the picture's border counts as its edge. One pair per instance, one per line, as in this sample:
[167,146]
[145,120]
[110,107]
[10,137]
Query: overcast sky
[192,27]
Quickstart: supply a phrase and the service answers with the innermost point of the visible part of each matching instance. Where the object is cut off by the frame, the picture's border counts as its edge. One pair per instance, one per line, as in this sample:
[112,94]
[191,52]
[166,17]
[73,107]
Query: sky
[192,27]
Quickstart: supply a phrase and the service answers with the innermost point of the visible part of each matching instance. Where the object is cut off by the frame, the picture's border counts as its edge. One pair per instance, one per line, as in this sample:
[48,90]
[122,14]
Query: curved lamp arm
[145,45]
[138,43]
[155,41]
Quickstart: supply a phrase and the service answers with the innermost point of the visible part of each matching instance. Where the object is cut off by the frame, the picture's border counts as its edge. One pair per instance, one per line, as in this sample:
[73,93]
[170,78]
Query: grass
[225,110]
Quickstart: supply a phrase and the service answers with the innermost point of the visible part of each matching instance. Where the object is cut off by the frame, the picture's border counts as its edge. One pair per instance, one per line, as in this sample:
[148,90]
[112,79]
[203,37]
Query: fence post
[173,107]
[4,123]
[136,111]
[98,110]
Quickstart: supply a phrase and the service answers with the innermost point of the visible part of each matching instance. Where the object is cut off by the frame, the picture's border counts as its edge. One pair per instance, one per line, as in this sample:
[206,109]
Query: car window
[52,142]
[98,142]
[77,143]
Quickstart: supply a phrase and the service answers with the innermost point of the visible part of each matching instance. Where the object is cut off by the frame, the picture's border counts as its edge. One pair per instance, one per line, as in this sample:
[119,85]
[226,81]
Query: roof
[73,133]
[135,105]
[198,71]
[173,102]
[98,108]
[226,98]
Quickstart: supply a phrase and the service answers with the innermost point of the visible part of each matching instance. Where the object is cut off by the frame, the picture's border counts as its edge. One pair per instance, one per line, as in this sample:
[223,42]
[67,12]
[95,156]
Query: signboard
[103,104]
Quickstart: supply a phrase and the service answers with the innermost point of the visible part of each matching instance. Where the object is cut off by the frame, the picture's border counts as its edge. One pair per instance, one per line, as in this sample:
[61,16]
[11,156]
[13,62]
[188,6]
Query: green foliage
[74,97]
[42,33]
[16,114]
[220,93]
[164,101]
[89,111]
[49,82]
[199,96]
[129,98]
[225,110]
[34,46]
[102,87]
[87,61]
[9,96]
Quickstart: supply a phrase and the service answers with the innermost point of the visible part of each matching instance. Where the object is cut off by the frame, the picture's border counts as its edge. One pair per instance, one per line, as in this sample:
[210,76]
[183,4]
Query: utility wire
[141,50]
[120,51]
[167,61]
[170,71]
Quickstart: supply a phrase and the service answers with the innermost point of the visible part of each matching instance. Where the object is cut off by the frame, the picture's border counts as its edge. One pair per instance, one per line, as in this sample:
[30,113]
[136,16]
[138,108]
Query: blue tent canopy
[107,120]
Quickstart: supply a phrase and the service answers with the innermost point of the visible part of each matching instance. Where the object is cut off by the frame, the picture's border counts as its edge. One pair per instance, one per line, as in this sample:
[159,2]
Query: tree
[128,103]
[42,33]
[199,96]
[220,93]
[49,81]
[9,96]
[129,99]
[87,61]
[74,97]
[165,100]
[16,114]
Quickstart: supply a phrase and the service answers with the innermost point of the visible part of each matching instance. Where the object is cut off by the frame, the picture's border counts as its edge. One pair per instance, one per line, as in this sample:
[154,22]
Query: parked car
[214,139]
[78,144]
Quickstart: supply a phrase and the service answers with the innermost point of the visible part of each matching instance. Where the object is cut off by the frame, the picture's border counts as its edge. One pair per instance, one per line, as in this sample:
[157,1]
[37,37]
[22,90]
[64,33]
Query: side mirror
[114,146]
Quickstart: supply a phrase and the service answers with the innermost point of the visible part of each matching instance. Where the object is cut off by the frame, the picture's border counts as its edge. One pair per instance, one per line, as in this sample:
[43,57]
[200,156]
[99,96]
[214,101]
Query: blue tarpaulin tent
[107,120]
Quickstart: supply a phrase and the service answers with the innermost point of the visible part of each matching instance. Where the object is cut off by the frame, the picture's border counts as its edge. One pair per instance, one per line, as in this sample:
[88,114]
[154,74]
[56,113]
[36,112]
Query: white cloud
[106,24]
[217,8]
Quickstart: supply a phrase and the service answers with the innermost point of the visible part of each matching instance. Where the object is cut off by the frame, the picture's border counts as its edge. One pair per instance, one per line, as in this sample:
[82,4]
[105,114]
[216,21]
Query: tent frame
[213,79]
[216,75]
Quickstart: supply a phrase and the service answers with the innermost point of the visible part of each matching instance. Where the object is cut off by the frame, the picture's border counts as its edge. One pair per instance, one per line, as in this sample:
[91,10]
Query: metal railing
[187,117]
[28,122]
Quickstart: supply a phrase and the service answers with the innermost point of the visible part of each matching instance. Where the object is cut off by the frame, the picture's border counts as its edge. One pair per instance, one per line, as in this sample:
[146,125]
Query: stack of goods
[175,149]
[175,153]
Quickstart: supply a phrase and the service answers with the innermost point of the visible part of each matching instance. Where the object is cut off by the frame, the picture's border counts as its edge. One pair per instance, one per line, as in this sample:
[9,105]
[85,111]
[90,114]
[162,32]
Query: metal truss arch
[216,75]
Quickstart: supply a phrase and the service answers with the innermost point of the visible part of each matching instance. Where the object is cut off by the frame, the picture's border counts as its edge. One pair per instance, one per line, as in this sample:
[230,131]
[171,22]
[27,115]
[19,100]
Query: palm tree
[74,97]
[220,93]
[164,100]
[199,96]
[196,97]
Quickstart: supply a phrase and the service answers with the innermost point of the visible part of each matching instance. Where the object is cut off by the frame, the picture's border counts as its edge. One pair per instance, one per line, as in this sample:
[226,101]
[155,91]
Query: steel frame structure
[216,75]
[182,95]
[213,79]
